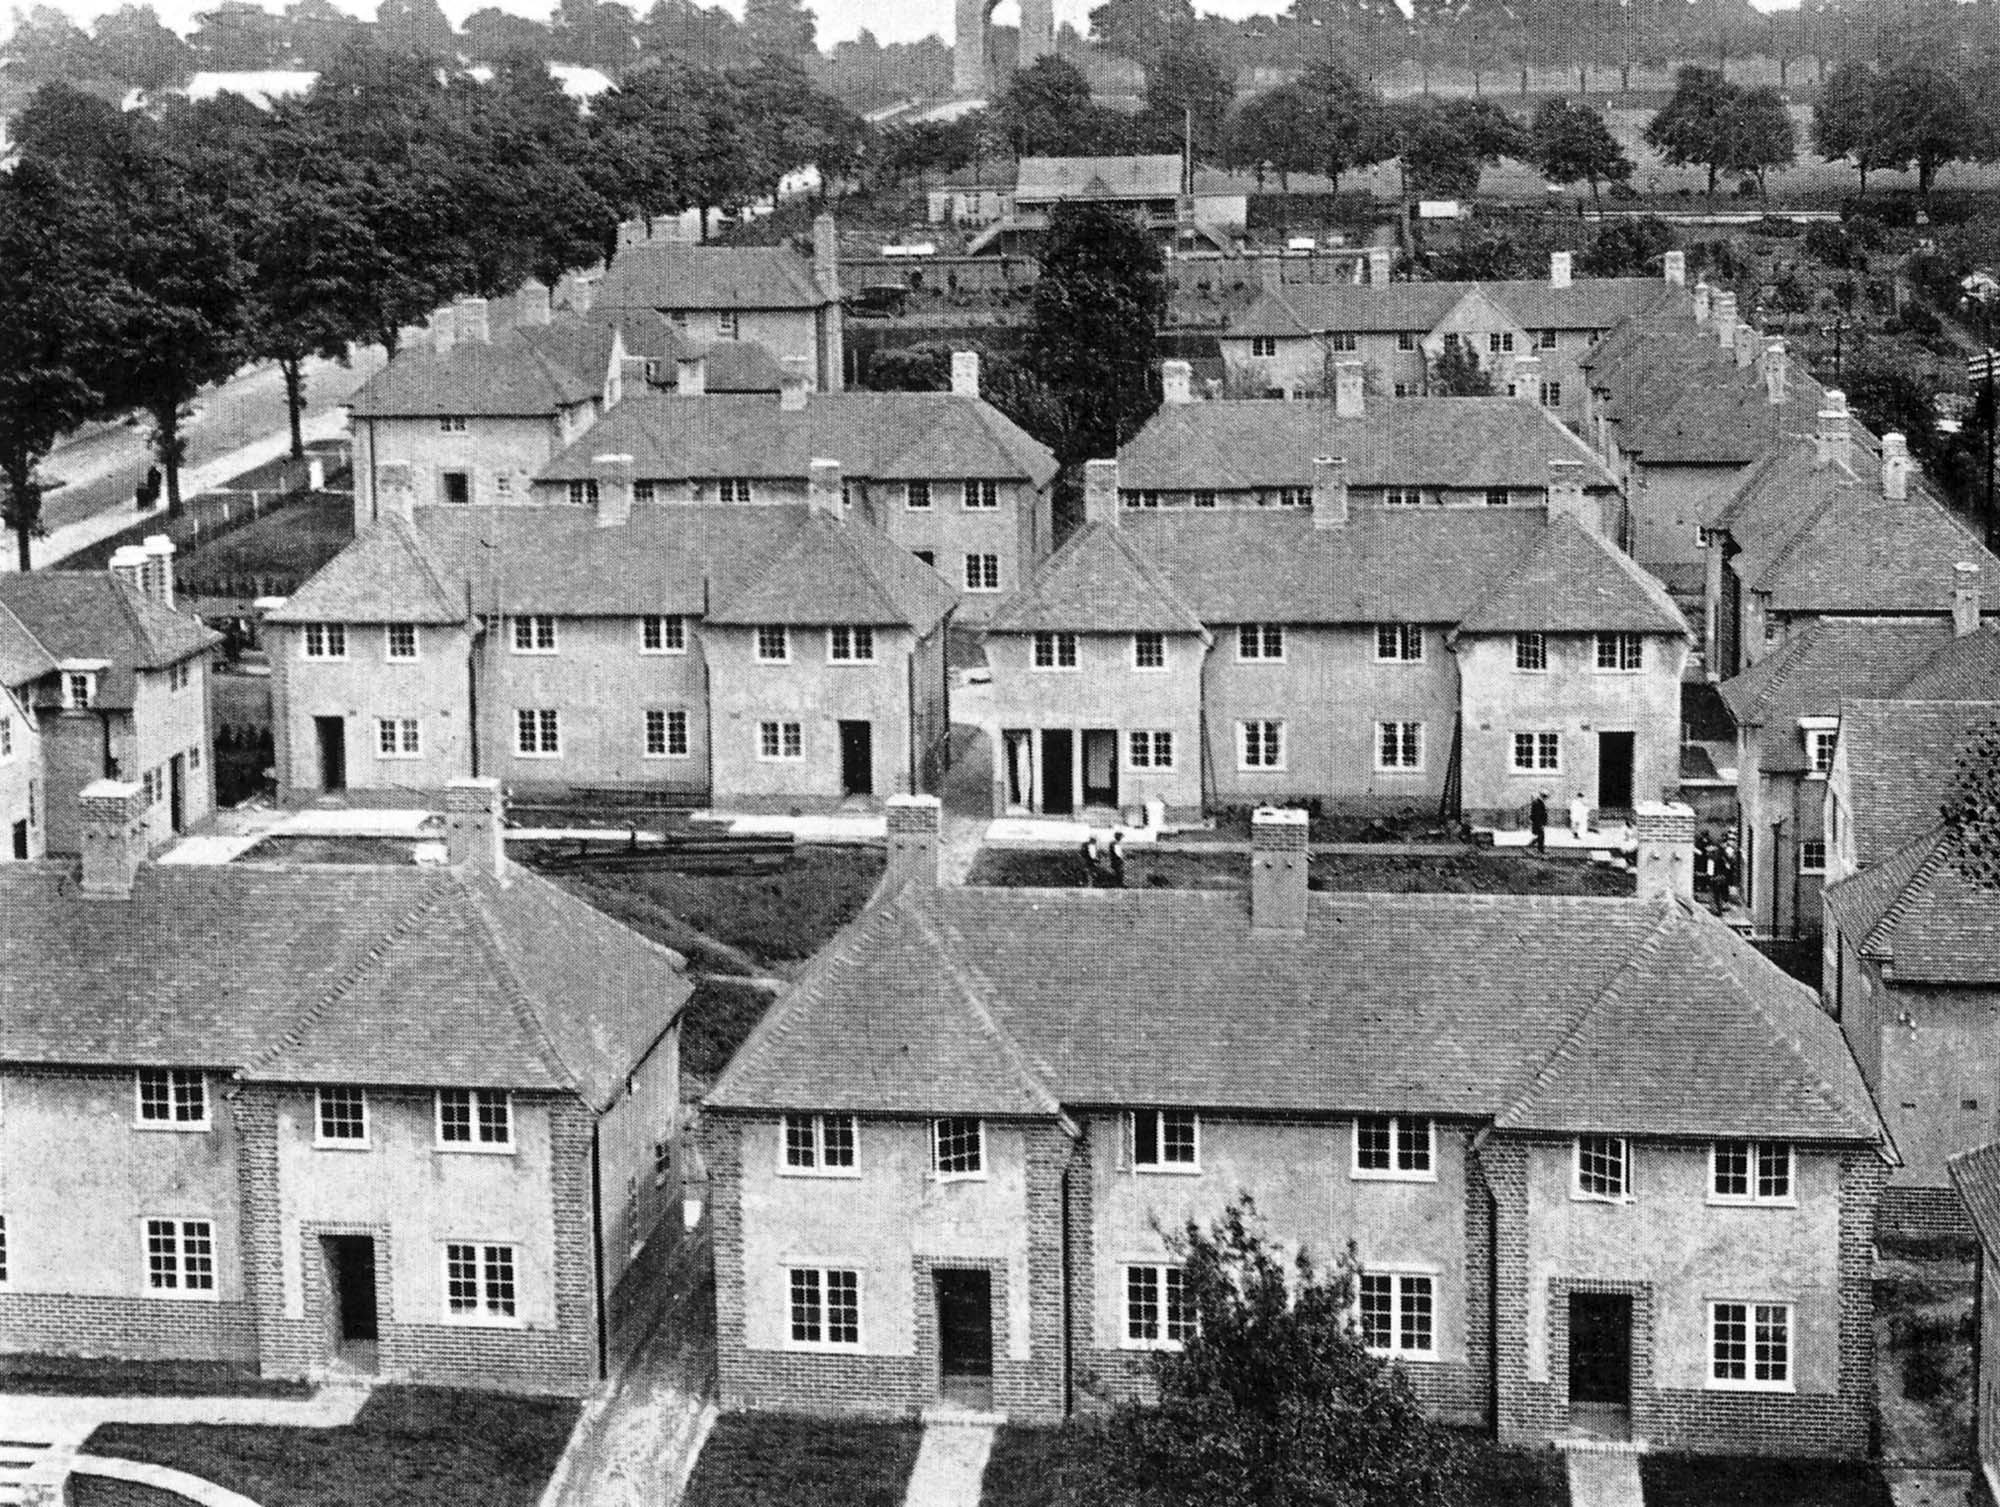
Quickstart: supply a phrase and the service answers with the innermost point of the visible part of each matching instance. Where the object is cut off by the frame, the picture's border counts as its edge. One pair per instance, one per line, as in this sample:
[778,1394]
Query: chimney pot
[159,575]
[1350,390]
[1704,301]
[914,823]
[1176,382]
[1381,265]
[1665,835]
[533,303]
[1561,266]
[1895,468]
[1746,346]
[1279,854]
[1329,494]
[444,330]
[472,826]
[472,325]
[797,384]
[965,374]
[1964,598]
[1100,492]
[1568,499]
[1777,366]
[690,376]
[1674,268]
[1832,439]
[614,490]
[823,487]
[113,825]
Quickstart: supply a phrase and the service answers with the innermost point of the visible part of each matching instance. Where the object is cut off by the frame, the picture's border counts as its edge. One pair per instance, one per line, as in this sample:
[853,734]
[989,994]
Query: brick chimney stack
[534,303]
[1568,499]
[823,488]
[1724,319]
[1964,598]
[1279,854]
[1776,366]
[614,490]
[1832,441]
[1528,379]
[1895,468]
[472,322]
[965,374]
[1350,389]
[1674,268]
[1747,344]
[1381,266]
[444,330]
[1100,492]
[472,826]
[690,376]
[1176,382]
[1704,300]
[1329,494]
[797,384]
[1561,267]
[1665,834]
[915,840]
[113,824]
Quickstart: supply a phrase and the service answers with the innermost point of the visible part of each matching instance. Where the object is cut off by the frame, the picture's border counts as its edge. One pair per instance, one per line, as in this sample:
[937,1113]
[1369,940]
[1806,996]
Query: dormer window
[79,690]
[1821,734]
[452,424]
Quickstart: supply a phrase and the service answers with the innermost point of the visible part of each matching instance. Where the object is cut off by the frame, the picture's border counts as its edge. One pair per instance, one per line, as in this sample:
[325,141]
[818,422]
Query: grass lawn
[1474,871]
[392,850]
[1923,1359]
[409,1444]
[1716,1481]
[776,1460]
[102,1491]
[64,1376]
[278,551]
[719,1016]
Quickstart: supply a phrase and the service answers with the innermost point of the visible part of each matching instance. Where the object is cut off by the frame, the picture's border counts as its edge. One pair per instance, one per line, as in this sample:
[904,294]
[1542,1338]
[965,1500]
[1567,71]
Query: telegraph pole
[1981,370]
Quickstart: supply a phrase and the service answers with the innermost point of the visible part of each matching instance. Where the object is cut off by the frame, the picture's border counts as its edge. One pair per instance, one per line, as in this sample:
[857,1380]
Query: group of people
[1538,819]
[1096,875]
[1715,870]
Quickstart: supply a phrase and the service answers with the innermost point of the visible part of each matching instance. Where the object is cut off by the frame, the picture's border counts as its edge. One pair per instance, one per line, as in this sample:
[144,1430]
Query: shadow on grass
[1724,1481]
[777,1460]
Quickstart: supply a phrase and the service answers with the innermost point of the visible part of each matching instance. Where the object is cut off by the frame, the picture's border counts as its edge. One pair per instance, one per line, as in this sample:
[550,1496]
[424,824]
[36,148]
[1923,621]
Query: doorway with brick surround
[350,1270]
[965,1337]
[1600,1364]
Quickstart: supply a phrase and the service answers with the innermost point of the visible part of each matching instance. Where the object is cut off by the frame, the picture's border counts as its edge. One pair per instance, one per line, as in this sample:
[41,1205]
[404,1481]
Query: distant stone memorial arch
[1038,37]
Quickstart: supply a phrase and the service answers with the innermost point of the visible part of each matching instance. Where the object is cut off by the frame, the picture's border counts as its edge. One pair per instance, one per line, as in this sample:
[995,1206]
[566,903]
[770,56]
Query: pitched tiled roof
[879,435]
[512,377]
[1966,669]
[79,614]
[1901,757]
[376,976]
[1430,442]
[1918,913]
[1448,1005]
[1976,1175]
[1816,668]
[1860,553]
[833,571]
[1589,303]
[1574,581]
[665,275]
[388,574]
[1040,179]
[1097,582]
[22,658]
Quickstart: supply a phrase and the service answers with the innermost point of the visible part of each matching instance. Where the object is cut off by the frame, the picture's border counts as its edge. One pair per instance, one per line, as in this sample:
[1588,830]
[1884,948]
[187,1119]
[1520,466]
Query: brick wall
[127,1328]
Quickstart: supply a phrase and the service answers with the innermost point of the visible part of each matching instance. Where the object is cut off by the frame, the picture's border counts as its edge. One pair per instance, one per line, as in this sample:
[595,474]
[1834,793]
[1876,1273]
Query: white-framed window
[1149,651]
[733,489]
[1054,651]
[825,1308]
[642,491]
[1341,340]
[1820,743]
[982,572]
[850,646]
[1603,1169]
[1261,744]
[982,495]
[583,493]
[1500,341]
[171,1098]
[1403,497]
[1150,748]
[1159,1308]
[397,738]
[1399,746]
[662,634]
[1404,389]
[6,736]
[326,640]
[1143,497]
[666,732]
[1552,395]
[1166,1140]
[1751,1172]
[479,1286]
[1812,855]
[452,424]
[180,1258]
[958,1147]
[535,634]
[1546,340]
[781,740]
[194,756]
[79,690]
[340,1117]
[1750,1346]
[400,641]
[3,1250]
[1398,1312]
[774,644]
[1531,652]
[917,495]
[1620,651]
[475,1119]
[822,1144]
[727,324]
[1263,345]
[1499,497]
[537,732]
[1403,642]
[1260,641]
[1537,752]
[1295,497]
[1204,497]
[1406,340]
[1394,1148]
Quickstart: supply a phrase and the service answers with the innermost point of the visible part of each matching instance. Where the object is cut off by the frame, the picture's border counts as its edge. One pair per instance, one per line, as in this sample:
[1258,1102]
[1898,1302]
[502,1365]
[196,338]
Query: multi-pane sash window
[1497,497]
[1394,1146]
[326,640]
[1620,651]
[1546,340]
[732,489]
[642,491]
[6,737]
[850,645]
[1159,1308]
[397,737]
[1151,749]
[583,494]
[1603,1168]
[1398,1313]
[537,731]
[1402,497]
[1537,751]
[774,643]
[1531,651]
[172,1096]
[982,572]
[475,1117]
[781,740]
[1263,744]
[1341,340]
[819,1143]
[825,1306]
[1295,497]
[726,324]
[3,1248]
[958,1147]
[1751,1345]
[180,1256]
[1500,341]
[452,424]
[1401,641]
[1263,345]
[660,634]
[1142,497]
[402,640]
[535,634]
[1204,497]
[479,1281]
[982,495]
[1055,651]
[1820,743]
[80,690]
[1552,394]
[1149,651]
[1406,340]
[666,733]
[1751,1172]
[1260,641]
[917,494]
[1166,1138]
[1399,745]
[343,1117]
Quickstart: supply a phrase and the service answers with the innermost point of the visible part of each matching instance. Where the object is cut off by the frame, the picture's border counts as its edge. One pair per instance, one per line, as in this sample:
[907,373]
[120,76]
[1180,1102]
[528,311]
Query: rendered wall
[488,450]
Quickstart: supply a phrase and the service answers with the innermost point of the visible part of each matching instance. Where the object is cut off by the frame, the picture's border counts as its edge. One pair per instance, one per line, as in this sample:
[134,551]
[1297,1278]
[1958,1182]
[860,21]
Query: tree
[1757,135]
[1572,142]
[1273,1396]
[1849,120]
[1274,132]
[1628,248]
[1926,119]
[1688,130]
[134,48]
[1349,128]
[1971,809]
[1138,29]
[47,45]
[1184,83]
[416,27]
[492,33]
[1045,110]
[594,33]
[781,27]
[1446,143]
[240,34]
[319,30]
[1457,373]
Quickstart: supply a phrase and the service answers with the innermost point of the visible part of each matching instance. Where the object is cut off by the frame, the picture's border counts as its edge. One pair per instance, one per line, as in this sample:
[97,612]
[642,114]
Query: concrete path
[32,1417]
[859,827]
[951,1462]
[1604,1478]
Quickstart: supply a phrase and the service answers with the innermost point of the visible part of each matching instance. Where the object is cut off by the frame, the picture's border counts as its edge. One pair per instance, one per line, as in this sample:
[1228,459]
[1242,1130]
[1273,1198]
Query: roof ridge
[1158,582]
[516,991]
[1939,839]
[976,988]
[413,543]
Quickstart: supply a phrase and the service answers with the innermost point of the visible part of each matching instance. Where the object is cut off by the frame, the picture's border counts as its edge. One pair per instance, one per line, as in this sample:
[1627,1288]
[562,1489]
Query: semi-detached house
[1602,1163]
[416,1124]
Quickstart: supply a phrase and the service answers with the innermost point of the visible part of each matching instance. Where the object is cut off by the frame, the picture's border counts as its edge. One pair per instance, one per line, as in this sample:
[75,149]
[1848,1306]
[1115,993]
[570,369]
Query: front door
[177,792]
[20,839]
[332,733]
[1058,770]
[1100,767]
[1600,1349]
[1614,771]
[965,1335]
[857,758]
[350,1266]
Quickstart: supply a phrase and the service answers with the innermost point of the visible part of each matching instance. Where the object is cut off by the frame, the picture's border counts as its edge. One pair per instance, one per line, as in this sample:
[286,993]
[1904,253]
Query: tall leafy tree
[785,28]
[318,31]
[417,27]
[46,45]
[1457,373]
[1046,110]
[1274,132]
[1572,142]
[1689,129]
[1446,143]
[490,33]
[1350,127]
[1757,134]
[134,48]
[240,34]
[1185,84]
[1850,120]
[1928,120]
[1139,29]
[596,33]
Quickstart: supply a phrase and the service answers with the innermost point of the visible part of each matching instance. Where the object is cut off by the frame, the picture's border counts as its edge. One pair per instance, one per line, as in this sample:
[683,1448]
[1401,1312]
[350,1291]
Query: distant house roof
[668,275]
[1901,757]
[1818,667]
[1472,443]
[388,574]
[1918,914]
[1045,180]
[76,614]
[878,435]
[833,571]
[309,976]
[513,377]
[1588,303]
[1097,582]
[1541,1014]
[1976,1175]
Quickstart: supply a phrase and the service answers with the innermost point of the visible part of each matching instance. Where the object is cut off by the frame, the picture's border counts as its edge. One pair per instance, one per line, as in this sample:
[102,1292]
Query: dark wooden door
[20,839]
[350,1261]
[1600,1348]
[177,792]
[1058,772]
[1614,771]
[857,758]
[965,1323]
[1100,767]
[332,734]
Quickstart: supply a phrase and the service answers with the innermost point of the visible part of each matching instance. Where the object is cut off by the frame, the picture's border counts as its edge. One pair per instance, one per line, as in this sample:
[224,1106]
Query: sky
[890,20]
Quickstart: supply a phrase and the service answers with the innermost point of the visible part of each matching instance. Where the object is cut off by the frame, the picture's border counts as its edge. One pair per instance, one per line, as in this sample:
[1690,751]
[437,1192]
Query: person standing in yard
[1579,816]
[1538,822]
[1118,859]
[1091,873]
